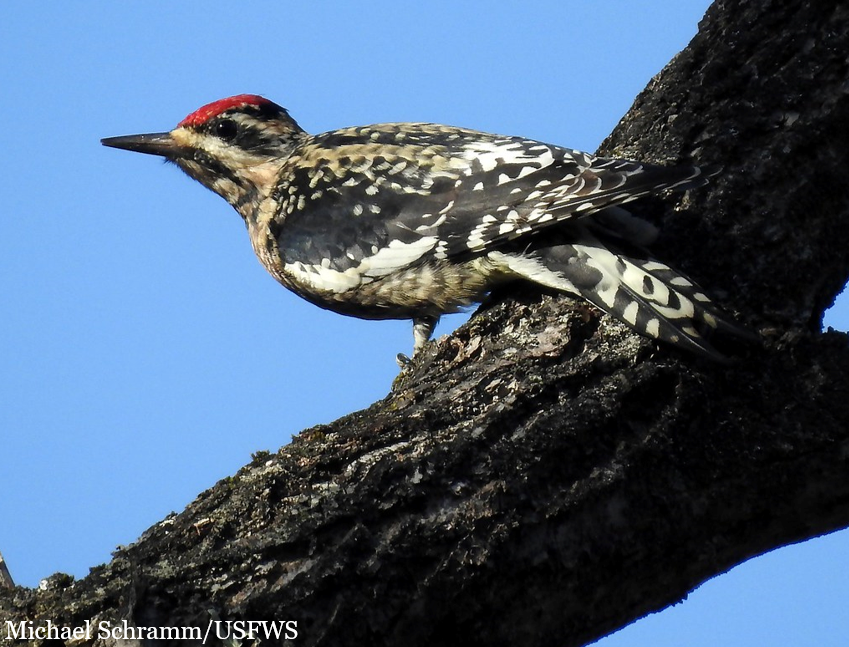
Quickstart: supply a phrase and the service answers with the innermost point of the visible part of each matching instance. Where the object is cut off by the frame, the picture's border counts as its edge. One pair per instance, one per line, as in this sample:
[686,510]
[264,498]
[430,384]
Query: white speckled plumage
[412,220]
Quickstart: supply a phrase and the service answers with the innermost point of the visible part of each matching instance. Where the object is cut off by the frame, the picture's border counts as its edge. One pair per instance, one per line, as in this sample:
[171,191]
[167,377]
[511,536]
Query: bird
[415,220]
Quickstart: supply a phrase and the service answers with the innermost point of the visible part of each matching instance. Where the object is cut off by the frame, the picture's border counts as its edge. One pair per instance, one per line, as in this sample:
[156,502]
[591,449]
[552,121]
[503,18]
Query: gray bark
[543,476]
[6,580]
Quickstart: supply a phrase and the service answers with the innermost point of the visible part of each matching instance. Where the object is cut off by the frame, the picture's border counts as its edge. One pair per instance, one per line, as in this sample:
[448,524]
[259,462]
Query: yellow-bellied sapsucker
[413,220]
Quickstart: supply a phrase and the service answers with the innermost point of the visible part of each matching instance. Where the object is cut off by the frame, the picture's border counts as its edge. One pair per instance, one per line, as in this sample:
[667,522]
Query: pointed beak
[153,144]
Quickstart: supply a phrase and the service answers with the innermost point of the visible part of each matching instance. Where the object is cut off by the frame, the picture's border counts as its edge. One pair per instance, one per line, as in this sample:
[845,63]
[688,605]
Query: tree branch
[543,476]
[6,581]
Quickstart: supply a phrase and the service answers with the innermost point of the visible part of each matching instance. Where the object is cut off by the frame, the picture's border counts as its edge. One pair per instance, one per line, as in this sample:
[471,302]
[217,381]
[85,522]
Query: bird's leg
[422,330]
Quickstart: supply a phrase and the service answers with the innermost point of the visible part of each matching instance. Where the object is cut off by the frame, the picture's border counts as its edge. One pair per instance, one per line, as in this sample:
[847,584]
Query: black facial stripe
[247,136]
[257,140]
[246,198]
[251,131]
[214,167]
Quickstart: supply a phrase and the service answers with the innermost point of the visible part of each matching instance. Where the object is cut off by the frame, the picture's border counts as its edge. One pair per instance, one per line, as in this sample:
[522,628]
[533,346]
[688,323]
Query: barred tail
[647,295]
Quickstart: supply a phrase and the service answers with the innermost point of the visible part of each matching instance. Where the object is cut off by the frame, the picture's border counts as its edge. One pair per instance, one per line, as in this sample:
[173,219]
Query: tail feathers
[647,295]
[660,278]
[622,225]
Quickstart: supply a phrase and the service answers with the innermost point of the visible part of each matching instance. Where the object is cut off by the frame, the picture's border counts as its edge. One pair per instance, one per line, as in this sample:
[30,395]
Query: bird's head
[233,146]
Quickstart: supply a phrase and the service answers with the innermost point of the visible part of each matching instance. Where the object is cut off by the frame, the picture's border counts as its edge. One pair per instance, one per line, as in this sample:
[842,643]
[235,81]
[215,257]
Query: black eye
[226,129]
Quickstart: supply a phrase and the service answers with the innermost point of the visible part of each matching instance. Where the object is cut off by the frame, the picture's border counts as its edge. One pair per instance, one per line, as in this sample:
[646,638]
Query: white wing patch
[324,279]
[394,257]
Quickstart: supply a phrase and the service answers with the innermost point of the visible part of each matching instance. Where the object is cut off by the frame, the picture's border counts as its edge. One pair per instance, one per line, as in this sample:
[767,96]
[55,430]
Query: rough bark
[543,476]
[6,580]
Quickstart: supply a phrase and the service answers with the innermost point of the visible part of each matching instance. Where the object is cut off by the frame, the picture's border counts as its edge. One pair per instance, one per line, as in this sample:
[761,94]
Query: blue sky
[146,354]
